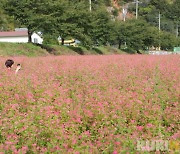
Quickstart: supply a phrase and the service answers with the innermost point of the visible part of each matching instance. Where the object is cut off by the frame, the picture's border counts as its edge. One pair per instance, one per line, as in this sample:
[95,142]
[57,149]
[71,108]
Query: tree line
[73,19]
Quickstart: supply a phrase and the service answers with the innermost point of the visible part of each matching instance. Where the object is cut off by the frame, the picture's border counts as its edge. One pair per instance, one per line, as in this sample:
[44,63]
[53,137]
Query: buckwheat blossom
[88,104]
[149,125]
[140,128]
[115,152]
[176,136]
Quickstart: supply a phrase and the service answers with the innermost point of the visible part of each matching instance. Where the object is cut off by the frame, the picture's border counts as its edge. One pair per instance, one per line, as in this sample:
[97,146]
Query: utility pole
[159,21]
[177,31]
[124,12]
[159,17]
[90,5]
[137,4]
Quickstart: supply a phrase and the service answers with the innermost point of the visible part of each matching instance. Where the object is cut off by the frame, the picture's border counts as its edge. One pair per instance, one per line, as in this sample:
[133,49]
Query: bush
[129,50]
[49,39]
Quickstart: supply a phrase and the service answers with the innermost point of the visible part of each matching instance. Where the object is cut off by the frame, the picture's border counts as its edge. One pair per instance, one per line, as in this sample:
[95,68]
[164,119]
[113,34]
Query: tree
[168,41]
[175,11]
[6,22]
[51,17]
[24,12]
[149,11]
[161,5]
[101,27]
[174,14]
[71,20]
[91,28]
[137,34]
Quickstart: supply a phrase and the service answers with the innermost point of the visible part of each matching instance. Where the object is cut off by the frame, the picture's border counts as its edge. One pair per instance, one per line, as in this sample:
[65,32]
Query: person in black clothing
[9,63]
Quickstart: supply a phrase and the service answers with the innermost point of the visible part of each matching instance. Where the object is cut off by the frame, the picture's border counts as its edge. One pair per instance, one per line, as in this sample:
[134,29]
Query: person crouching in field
[9,64]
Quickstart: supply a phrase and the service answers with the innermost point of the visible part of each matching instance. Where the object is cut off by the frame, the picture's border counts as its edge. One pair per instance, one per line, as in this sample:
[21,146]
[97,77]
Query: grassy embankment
[31,50]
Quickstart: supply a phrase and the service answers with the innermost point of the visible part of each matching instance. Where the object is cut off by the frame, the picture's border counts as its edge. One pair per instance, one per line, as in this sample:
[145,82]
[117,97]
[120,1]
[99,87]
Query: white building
[36,38]
[19,36]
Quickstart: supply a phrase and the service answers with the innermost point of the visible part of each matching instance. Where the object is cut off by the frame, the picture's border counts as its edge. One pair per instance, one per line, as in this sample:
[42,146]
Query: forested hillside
[97,23]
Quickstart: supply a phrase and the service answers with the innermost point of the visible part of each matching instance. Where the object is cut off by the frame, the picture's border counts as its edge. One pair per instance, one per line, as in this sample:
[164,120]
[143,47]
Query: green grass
[108,50]
[31,50]
[101,50]
[21,49]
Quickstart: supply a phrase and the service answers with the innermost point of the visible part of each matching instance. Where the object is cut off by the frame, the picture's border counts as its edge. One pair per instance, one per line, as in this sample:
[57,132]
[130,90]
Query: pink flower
[87,133]
[176,136]
[8,143]
[133,121]
[89,113]
[117,143]
[29,95]
[78,120]
[24,148]
[74,141]
[115,152]
[149,125]
[16,96]
[139,128]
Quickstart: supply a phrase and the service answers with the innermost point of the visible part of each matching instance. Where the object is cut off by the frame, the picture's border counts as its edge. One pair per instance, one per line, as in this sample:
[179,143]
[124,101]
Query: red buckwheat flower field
[88,104]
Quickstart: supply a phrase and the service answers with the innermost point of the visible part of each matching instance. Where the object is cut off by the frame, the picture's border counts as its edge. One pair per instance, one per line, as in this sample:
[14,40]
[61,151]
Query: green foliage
[1,138]
[137,34]
[32,50]
[107,2]
[115,12]
[73,19]
[168,41]
[100,27]
[6,22]
[174,11]
[161,5]
[169,10]
[49,39]
[25,12]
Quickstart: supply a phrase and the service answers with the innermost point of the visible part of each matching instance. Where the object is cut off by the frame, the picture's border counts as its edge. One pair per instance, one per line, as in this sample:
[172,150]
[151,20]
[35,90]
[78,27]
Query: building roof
[13,33]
